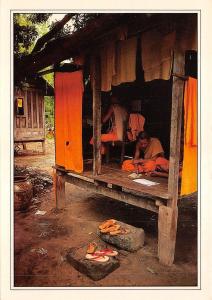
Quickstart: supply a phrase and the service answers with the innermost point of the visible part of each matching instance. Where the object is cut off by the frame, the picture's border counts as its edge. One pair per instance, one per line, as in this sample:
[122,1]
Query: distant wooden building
[29,113]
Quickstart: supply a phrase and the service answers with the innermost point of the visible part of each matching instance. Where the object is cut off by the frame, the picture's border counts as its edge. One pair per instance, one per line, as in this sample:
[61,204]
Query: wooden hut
[113,182]
[29,112]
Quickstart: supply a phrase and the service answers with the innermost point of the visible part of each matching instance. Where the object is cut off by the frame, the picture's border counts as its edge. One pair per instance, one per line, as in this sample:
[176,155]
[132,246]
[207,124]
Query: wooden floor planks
[120,178]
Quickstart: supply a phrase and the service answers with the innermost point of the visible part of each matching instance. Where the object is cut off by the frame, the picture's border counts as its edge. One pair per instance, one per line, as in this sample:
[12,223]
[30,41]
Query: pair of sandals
[101,255]
[112,228]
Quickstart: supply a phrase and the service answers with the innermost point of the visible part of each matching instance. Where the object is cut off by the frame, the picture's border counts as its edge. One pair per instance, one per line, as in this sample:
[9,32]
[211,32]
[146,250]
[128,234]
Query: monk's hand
[137,161]
[153,174]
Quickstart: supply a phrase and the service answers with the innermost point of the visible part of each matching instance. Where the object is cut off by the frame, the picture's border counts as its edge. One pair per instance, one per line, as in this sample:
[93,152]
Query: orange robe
[151,151]
[117,131]
[107,137]
[148,166]
[189,171]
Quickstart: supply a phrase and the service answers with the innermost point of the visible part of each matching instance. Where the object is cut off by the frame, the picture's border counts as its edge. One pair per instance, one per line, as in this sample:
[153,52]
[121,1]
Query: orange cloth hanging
[68,120]
[189,171]
[136,125]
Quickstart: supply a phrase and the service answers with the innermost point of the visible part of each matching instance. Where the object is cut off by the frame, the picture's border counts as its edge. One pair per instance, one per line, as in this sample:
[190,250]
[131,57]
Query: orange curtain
[189,172]
[68,120]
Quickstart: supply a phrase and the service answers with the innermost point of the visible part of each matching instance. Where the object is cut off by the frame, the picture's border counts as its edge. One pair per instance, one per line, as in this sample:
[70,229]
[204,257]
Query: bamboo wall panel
[29,108]
[35,121]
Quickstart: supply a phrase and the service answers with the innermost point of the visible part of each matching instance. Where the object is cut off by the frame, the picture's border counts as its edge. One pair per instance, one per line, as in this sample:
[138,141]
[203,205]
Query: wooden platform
[116,177]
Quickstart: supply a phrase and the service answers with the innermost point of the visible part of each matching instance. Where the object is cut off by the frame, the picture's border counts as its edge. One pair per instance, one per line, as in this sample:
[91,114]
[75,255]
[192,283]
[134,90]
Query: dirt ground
[41,241]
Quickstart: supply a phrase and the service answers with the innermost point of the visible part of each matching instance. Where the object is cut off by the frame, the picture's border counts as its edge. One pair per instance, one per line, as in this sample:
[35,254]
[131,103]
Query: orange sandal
[91,248]
[102,258]
[107,252]
[107,224]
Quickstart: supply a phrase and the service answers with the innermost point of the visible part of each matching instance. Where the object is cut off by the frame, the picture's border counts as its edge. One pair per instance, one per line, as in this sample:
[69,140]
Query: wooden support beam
[167,220]
[60,189]
[96,84]
[176,120]
[167,225]
[101,189]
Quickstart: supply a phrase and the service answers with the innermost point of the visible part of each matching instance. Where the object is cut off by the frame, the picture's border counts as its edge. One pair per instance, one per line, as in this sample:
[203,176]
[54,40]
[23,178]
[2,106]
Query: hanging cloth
[189,171]
[120,116]
[107,56]
[68,120]
[136,125]
[157,54]
[125,61]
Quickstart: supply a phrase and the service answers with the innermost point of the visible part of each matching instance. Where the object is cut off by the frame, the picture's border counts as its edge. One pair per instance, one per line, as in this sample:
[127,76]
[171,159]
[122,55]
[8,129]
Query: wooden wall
[31,125]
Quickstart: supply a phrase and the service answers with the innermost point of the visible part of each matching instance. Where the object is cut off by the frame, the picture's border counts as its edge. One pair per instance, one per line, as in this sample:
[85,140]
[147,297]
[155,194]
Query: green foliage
[27,29]
[81,20]
[49,111]
[49,78]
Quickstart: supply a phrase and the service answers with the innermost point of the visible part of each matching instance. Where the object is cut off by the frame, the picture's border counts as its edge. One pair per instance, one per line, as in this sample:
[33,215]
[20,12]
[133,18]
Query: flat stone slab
[93,269]
[131,241]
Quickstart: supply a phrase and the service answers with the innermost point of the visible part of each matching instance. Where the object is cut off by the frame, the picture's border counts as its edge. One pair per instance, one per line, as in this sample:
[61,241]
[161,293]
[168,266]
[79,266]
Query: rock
[131,241]
[92,269]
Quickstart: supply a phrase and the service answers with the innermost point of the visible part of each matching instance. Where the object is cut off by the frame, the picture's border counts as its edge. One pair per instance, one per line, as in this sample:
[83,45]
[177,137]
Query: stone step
[131,241]
[92,269]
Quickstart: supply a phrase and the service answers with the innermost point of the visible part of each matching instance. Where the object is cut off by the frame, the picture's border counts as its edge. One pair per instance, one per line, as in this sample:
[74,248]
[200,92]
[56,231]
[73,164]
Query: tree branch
[46,37]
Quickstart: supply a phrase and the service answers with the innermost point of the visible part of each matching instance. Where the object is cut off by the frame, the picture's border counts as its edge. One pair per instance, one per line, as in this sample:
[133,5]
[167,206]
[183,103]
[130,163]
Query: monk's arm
[136,158]
[158,155]
[153,158]
[108,115]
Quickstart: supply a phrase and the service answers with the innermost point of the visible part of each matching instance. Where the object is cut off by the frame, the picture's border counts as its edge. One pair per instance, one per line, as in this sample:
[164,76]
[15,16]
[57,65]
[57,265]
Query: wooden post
[167,219]
[167,229]
[60,189]
[96,116]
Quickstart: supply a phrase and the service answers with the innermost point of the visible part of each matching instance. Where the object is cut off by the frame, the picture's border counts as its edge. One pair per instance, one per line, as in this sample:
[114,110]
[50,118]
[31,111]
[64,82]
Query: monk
[117,115]
[149,156]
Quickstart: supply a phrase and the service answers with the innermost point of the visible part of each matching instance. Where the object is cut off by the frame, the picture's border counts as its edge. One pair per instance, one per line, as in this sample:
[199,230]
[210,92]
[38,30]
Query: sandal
[107,252]
[107,224]
[115,232]
[102,258]
[91,248]
[110,229]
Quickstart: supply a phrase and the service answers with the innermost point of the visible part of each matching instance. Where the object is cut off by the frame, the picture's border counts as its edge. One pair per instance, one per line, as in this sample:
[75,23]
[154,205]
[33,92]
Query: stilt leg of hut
[96,116]
[167,220]
[167,228]
[44,147]
[60,190]
[24,146]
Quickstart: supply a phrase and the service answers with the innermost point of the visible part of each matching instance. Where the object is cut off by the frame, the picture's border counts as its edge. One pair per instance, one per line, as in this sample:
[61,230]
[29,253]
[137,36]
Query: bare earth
[41,242]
